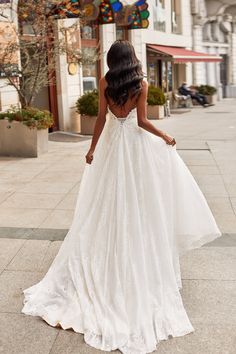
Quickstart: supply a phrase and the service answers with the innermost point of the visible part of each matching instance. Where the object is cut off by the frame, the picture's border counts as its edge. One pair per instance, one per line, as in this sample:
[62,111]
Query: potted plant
[87,107]
[155,103]
[209,92]
[24,132]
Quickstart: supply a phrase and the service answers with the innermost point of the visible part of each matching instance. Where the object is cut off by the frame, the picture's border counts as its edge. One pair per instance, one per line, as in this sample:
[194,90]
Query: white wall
[69,88]
[107,37]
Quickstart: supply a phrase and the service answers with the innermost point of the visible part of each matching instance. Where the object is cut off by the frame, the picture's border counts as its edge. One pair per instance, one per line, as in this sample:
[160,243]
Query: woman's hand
[169,139]
[89,156]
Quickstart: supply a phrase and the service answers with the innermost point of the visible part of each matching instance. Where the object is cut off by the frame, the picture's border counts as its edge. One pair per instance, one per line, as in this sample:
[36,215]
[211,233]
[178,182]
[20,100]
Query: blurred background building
[176,41]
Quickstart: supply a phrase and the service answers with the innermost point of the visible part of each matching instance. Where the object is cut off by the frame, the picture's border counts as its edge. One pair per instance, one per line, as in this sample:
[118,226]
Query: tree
[28,58]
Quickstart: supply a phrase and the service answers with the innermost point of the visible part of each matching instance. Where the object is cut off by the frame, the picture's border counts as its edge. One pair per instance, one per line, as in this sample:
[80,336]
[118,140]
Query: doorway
[224,73]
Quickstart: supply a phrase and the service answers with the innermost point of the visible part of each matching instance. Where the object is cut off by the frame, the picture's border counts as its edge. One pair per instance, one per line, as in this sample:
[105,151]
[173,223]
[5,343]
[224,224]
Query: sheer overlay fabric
[116,277]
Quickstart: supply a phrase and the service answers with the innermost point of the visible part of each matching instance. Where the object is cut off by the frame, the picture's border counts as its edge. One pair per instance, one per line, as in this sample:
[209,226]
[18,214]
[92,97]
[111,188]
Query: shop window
[152,73]
[89,77]
[166,75]
[176,16]
[159,15]
[91,69]
[89,31]
[90,72]
[169,76]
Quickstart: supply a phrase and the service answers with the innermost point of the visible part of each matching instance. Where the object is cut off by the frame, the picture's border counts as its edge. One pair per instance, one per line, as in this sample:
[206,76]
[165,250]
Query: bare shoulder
[144,90]
[144,85]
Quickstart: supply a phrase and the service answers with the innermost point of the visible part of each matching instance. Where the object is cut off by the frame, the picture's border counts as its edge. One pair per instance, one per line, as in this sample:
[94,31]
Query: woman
[116,277]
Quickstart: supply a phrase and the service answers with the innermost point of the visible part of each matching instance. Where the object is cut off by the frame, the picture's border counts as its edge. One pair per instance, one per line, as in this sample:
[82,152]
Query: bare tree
[28,58]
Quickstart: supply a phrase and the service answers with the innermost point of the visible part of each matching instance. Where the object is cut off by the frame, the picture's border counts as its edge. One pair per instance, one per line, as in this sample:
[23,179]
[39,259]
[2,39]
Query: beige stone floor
[40,194]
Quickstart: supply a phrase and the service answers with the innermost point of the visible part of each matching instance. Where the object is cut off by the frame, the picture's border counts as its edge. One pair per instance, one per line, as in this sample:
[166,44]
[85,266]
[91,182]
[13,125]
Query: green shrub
[30,116]
[206,90]
[155,96]
[88,103]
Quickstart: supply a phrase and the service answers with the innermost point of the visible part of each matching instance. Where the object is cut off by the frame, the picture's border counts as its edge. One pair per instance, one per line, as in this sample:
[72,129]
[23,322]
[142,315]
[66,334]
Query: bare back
[122,112]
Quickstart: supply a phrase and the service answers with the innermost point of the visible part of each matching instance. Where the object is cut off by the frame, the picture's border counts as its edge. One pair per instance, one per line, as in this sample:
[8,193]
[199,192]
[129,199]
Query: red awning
[182,55]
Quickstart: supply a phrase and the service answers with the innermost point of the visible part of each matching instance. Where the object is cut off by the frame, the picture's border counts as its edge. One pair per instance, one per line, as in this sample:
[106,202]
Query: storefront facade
[168,28]
[214,31]
[167,24]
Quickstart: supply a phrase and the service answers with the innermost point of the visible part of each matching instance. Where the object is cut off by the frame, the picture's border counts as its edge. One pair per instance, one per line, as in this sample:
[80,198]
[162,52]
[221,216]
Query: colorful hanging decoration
[66,9]
[107,11]
[90,8]
[139,15]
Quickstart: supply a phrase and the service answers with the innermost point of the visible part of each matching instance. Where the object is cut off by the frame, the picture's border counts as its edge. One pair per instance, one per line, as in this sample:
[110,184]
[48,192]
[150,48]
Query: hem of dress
[95,339]
[185,246]
[89,335]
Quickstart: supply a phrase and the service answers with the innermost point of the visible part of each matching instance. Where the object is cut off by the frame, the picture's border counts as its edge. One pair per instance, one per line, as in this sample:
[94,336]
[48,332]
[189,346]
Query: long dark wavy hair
[125,72]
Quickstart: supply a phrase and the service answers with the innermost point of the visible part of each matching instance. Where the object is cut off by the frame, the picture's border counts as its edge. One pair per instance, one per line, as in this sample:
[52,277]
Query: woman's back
[122,111]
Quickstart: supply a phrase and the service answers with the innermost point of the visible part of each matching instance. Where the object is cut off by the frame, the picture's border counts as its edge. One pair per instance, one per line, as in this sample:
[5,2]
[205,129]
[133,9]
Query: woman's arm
[143,122]
[100,121]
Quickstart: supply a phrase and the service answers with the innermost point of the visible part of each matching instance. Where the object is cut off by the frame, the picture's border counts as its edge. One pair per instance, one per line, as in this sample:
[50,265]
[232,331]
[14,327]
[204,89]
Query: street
[37,200]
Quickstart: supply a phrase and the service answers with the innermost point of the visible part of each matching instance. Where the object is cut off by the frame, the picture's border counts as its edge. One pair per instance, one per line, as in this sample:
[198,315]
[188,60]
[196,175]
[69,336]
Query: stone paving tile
[211,190]
[220,204]
[227,168]
[191,162]
[18,166]
[61,219]
[70,342]
[49,234]
[47,187]
[22,217]
[197,170]
[209,263]
[71,166]
[33,233]
[226,222]
[226,240]
[49,256]
[4,196]
[210,301]
[75,189]
[23,176]
[206,179]
[12,284]
[10,187]
[8,249]
[21,334]
[52,176]
[231,189]
[30,256]
[68,202]
[233,201]
[33,200]
[213,339]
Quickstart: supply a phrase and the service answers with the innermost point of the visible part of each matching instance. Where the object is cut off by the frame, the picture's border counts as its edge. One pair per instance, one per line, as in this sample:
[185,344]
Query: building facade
[214,31]
[174,28]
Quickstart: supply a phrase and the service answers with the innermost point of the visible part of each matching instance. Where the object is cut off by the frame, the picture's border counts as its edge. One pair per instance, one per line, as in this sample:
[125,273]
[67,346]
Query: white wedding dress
[116,277]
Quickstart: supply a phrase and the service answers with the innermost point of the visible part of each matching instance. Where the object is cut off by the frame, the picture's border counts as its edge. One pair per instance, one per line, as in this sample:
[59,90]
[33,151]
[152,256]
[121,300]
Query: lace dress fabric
[116,277]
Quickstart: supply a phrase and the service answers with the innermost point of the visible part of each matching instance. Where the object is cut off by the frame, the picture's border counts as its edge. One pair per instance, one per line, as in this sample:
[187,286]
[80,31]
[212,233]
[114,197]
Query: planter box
[16,139]
[87,124]
[155,112]
[212,99]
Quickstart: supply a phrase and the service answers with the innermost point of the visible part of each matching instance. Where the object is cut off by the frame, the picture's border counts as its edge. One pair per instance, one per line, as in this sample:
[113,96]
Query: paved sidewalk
[37,199]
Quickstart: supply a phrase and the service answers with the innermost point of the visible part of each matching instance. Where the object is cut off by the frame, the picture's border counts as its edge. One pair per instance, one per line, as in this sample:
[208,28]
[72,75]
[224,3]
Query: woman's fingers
[171,141]
[89,158]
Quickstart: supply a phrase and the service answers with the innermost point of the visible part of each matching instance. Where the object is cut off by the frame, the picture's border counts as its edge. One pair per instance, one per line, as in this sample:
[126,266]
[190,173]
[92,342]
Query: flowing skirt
[116,277]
